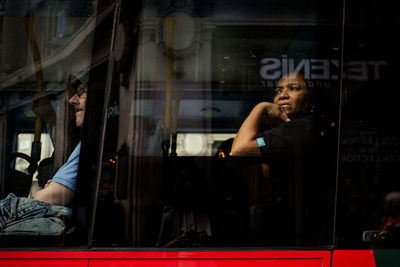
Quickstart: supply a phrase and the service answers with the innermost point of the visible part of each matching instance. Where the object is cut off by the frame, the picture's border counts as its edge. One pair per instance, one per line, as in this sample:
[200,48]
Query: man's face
[291,94]
[78,100]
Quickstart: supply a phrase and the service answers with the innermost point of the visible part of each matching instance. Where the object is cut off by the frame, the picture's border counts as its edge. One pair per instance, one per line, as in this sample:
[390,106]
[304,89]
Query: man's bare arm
[55,193]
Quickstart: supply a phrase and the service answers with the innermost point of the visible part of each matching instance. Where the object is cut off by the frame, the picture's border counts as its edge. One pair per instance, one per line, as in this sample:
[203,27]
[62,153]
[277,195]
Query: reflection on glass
[370,144]
[43,43]
[197,71]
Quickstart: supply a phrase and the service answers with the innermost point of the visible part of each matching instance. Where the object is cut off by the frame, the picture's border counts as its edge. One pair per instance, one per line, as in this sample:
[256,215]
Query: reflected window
[197,71]
[41,116]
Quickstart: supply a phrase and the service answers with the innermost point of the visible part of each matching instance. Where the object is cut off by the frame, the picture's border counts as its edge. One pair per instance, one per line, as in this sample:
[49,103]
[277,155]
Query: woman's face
[292,94]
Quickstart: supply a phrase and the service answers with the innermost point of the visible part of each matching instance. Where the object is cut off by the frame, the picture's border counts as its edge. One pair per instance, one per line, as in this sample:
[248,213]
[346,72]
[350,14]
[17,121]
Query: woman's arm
[245,142]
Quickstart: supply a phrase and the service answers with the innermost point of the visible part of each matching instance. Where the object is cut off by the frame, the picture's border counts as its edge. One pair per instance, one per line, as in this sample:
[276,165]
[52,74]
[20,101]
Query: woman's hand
[245,141]
[274,115]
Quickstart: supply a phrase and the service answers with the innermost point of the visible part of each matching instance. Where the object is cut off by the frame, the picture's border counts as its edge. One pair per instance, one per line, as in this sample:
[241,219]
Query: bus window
[24,145]
[45,61]
[368,187]
[195,71]
[194,144]
[199,124]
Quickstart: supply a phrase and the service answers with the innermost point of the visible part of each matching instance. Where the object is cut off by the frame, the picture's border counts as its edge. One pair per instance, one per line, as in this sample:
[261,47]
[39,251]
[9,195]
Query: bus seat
[20,182]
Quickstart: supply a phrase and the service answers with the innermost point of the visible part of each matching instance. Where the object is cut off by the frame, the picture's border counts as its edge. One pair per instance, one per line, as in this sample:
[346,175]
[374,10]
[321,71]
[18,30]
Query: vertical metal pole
[107,94]
[170,29]
[338,169]
[29,23]
[177,99]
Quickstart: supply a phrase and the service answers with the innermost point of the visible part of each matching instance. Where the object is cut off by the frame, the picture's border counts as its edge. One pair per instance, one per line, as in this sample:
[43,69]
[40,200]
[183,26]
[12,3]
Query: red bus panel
[43,263]
[167,259]
[352,258]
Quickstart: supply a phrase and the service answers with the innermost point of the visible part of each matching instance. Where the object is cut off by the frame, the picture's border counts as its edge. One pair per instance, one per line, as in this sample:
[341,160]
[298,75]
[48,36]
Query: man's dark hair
[75,79]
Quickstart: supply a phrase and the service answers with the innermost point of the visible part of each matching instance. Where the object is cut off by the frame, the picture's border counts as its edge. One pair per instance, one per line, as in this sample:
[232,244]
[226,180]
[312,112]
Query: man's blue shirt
[67,174]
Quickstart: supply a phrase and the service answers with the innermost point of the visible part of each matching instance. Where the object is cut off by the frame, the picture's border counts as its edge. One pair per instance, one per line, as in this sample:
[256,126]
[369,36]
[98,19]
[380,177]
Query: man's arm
[60,191]
[245,142]
[55,193]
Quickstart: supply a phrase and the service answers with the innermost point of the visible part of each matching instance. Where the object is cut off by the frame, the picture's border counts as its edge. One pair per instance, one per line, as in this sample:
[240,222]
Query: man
[60,190]
[44,214]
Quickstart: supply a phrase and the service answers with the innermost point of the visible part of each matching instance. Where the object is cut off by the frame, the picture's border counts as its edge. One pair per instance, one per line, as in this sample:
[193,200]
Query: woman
[296,192]
[289,117]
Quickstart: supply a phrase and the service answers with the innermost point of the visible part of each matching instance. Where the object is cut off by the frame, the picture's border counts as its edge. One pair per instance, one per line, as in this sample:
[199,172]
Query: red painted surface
[353,258]
[42,263]
[213,262]
[166,259]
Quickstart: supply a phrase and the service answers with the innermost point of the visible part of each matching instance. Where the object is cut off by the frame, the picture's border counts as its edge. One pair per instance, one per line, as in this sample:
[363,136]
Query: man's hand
[47,183]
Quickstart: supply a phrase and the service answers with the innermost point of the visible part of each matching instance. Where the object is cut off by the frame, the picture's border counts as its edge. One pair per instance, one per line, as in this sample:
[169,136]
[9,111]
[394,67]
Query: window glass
[368,203]
[183,85]
[45,56]
[24,145]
